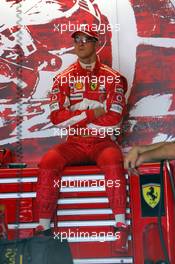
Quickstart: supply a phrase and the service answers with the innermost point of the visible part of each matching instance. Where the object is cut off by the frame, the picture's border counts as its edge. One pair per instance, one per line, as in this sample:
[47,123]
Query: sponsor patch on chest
[79,86]
[93,86]
[76,96]
[102,89]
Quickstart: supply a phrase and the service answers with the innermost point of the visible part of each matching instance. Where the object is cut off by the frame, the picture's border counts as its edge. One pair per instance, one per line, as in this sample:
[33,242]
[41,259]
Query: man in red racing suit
[88,102]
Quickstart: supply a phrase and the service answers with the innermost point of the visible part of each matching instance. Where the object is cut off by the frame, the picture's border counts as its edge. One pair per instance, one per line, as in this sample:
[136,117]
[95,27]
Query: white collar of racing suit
[89,67]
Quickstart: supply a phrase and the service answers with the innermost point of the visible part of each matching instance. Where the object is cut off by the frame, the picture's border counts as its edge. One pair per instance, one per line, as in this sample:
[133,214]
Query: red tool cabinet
[83,211]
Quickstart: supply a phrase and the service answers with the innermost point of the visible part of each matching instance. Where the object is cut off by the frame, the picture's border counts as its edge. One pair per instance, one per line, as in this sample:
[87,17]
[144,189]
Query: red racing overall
[76,92]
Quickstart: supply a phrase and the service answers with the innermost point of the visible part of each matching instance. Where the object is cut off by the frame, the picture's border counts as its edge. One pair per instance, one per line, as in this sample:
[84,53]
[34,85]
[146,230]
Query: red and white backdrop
[139,41]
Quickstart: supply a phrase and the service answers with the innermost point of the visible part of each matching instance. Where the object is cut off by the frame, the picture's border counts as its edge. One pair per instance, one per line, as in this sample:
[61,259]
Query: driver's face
[85,46]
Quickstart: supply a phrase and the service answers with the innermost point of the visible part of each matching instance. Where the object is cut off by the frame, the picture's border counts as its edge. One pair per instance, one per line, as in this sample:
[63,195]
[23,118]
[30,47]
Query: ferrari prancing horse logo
[93,86]
[151,194]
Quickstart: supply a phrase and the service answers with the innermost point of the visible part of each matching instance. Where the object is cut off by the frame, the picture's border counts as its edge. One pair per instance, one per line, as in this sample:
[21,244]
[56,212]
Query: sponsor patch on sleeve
[54,106]
[119,98]
[55,91]
[116,108]
[54,97]
[119,90]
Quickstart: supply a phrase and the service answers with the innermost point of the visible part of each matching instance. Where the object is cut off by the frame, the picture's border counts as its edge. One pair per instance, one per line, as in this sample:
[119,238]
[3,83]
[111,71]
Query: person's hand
[132,158]
[99,112]
[141,159]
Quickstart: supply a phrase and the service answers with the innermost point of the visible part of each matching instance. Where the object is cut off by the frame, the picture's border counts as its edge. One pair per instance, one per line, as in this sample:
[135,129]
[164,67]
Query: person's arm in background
[146,153]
